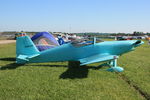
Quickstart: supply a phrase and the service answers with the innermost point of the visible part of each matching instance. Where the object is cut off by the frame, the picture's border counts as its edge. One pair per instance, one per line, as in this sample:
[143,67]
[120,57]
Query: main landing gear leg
[114,67]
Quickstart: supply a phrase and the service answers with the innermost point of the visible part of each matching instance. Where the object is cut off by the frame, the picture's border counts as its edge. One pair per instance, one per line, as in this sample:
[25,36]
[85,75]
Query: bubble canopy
[44,40]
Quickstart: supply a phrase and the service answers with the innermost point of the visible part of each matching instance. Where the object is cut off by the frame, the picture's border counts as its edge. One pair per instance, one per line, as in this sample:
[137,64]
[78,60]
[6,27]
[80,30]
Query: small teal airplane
[83,52]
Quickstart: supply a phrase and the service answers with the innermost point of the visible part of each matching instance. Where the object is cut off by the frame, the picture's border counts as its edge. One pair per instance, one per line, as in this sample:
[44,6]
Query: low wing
[97,58]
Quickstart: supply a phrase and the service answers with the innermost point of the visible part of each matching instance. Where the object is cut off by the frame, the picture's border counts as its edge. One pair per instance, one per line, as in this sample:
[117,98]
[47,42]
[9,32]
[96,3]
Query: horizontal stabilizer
[22,57]
[32,56]
[25,58]
[97,58]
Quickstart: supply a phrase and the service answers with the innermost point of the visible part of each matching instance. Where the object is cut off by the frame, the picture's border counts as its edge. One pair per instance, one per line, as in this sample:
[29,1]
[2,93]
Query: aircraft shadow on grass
[10,66]
[71,73]
[8,59]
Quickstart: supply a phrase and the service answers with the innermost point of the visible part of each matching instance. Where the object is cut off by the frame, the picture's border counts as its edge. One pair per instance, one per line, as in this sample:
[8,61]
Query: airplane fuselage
[82,51]
[70,52]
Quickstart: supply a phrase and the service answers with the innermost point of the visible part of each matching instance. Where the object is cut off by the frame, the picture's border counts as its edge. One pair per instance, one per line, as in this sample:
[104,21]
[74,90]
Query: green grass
[55,81]
[137,66]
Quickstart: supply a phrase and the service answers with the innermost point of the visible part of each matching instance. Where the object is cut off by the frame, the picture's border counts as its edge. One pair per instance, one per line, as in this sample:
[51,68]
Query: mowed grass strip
[137,66]
[56,81]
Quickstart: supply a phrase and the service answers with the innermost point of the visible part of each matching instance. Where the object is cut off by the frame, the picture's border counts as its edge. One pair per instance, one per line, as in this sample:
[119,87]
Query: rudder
[25,48]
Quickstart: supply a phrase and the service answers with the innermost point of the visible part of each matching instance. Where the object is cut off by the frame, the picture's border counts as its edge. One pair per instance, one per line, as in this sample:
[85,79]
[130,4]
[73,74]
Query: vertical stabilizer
[25,48]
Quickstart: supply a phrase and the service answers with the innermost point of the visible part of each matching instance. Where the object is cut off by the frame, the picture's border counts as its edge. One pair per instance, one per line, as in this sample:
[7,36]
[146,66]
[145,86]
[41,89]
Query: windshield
[84,42]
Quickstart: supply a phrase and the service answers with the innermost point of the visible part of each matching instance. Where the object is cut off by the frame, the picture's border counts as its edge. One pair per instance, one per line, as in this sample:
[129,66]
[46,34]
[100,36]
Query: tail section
[25,48]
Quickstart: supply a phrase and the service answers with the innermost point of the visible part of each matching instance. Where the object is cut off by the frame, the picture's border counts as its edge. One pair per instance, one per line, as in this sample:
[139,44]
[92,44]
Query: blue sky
[75,15]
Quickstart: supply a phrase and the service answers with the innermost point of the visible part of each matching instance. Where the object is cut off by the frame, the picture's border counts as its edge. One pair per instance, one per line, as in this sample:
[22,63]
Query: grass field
[55,81]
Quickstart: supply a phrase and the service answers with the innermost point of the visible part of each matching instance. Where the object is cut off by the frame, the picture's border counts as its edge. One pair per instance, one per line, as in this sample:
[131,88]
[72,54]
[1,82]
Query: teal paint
[104,51]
